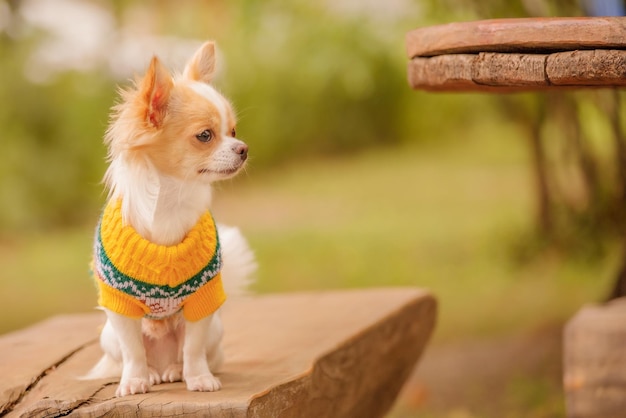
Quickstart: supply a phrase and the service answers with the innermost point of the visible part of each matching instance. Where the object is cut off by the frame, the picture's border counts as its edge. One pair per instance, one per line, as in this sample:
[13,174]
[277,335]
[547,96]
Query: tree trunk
[545,219]
[619,285]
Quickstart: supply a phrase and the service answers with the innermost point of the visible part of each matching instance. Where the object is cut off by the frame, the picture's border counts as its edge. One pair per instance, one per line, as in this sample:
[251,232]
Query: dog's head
[182,125]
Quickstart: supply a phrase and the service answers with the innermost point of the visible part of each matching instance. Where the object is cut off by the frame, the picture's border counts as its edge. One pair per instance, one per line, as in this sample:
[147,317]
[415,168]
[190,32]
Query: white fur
[235,247]
[149,199]
[163,209]
[214,97]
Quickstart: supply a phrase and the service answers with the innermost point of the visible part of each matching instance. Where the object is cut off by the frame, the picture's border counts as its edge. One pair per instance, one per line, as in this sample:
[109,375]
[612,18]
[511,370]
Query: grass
[43,275]
[441,216]
[445,217]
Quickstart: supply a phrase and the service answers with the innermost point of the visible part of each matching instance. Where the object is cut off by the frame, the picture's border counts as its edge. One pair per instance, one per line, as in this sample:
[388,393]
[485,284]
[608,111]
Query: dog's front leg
[135,376]
[196,372]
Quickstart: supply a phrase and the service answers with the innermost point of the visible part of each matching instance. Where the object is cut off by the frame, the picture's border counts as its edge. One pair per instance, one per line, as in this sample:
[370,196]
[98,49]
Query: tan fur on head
[161,117]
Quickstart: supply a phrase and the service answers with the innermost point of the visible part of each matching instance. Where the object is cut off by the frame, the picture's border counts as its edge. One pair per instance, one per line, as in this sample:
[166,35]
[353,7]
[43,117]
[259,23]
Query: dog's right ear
[155,89]
[201,67]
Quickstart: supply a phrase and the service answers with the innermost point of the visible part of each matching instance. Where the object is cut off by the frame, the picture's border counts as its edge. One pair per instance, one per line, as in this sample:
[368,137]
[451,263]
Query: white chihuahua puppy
[159,257]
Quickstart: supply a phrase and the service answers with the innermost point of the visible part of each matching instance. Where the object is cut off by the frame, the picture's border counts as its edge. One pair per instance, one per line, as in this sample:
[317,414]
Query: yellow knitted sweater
[138,278]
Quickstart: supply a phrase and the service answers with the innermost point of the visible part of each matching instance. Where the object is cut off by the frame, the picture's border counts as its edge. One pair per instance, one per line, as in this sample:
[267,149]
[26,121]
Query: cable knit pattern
[138,278]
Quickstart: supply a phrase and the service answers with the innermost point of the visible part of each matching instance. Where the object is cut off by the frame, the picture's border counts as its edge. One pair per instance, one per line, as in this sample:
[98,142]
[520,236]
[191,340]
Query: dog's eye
[205,136]
[233,133]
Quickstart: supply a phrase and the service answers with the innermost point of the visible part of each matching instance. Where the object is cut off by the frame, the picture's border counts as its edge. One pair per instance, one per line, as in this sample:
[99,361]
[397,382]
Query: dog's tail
[238,263]
[105,368]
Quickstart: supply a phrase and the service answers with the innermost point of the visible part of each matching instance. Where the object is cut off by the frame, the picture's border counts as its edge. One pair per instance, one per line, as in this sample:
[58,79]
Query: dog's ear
[201,67]
[155,89]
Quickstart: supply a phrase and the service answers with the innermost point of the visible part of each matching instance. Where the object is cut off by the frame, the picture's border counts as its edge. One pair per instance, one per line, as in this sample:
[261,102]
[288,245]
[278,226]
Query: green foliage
[52,161]
[311,80]
[308,79]
[498,9]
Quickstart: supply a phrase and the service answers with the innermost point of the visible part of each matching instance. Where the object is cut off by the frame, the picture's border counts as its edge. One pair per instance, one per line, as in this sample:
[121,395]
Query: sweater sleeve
[119,302]
[205,300]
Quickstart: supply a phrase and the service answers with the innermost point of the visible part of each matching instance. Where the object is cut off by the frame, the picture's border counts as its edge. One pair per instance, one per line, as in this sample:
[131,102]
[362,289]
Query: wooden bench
[326,354]
[540,54]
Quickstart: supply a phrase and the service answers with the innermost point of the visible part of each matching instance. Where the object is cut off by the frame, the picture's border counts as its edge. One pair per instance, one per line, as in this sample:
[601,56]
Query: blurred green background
[354,179]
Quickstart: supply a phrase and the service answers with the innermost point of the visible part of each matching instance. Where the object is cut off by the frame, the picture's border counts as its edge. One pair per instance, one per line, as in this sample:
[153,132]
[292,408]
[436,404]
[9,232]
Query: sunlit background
[354,180]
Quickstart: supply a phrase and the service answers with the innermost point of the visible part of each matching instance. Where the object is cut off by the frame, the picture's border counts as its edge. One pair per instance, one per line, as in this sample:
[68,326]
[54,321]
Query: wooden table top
[502,55]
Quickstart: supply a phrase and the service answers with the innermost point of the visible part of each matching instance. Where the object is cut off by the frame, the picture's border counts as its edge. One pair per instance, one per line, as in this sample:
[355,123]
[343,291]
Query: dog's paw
[173,373]
[132,386]
[203,383]
[155,378]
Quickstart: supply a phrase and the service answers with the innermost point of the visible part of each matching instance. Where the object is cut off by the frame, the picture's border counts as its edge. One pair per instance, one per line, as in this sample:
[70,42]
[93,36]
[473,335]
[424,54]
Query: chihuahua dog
[159,257]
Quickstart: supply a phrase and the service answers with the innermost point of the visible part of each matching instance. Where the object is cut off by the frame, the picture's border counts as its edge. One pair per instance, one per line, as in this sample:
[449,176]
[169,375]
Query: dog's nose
[242,150]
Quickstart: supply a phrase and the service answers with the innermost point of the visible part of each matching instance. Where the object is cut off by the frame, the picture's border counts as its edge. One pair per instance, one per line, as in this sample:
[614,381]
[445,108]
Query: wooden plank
[340,354]
[30,354]
[595,361]
[504,72]
[587,68]
[526,35]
